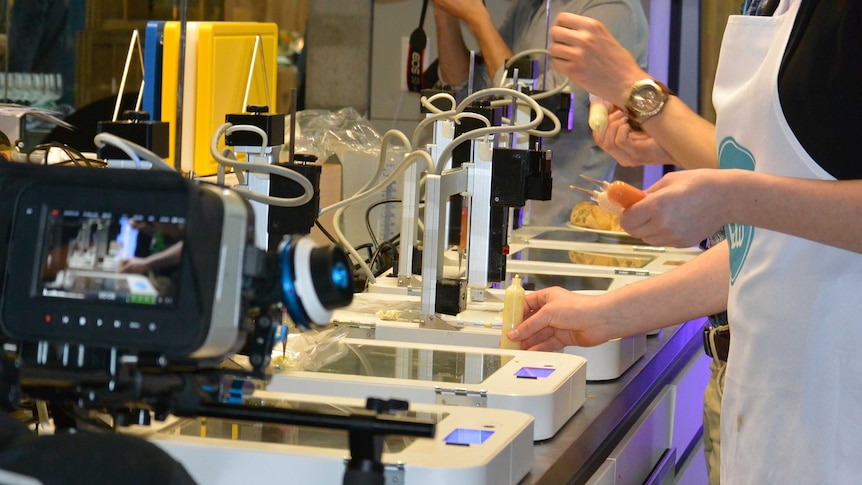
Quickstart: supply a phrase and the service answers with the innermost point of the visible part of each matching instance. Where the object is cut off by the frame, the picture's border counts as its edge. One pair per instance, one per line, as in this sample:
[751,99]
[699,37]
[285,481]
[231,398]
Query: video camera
[123,292]
[73,316]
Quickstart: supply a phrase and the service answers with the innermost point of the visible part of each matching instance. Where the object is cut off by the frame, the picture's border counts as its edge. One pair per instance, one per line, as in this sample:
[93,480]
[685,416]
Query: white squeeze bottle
[513,312]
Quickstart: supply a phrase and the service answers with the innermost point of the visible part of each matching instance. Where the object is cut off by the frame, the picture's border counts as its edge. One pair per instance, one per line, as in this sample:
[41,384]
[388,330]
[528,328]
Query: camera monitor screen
[111,257]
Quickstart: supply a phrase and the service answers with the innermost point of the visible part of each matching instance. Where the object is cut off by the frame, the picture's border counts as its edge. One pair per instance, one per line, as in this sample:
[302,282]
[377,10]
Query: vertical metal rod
[472,72]
[126,66]
[141,90]
[181,70]
[258,49]
[292,143]
[514,107]
[244,106]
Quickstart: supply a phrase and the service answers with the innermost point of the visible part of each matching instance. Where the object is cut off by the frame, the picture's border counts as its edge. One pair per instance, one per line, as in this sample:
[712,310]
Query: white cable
[384,147]
[366,191]
[536,96]
[475,116]
[557,89]
[428,120]
[133,150]
[101,141]
[342,239]
[264,139]
[552,132]
[408,159]
[525,53]
[220,171]
[428,103]
[308,189]
[447,151]
[546,94]
[453,115]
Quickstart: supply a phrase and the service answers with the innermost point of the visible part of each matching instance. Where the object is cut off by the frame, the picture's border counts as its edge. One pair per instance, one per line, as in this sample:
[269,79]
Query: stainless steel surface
[579,448]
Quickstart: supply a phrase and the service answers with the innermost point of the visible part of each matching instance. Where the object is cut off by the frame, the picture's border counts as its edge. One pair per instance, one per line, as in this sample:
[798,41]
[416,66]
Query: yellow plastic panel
[218,58]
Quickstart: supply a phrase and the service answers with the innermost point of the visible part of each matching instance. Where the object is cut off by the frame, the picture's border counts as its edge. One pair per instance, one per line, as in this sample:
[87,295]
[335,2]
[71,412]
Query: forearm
[494,49]
[829,212]
[685,135]
[167,258]
[695,289]
[453,57]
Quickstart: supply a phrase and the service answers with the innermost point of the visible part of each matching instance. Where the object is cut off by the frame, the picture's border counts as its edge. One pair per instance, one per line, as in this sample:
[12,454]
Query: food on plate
[591,216]
[599,259]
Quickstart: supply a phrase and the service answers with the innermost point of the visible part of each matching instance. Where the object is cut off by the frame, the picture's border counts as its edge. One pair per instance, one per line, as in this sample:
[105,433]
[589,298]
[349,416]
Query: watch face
[647,99]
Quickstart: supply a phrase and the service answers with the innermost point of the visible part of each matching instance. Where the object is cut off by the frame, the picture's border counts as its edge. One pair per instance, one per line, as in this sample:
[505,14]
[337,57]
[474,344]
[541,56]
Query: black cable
[379,251]
[325,232]
[368,218]
[367,246]
[390,243]
[73,156]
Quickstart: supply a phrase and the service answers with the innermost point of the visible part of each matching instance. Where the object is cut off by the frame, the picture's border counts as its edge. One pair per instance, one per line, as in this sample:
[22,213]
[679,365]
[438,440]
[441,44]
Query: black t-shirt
[86,458]
[820,84]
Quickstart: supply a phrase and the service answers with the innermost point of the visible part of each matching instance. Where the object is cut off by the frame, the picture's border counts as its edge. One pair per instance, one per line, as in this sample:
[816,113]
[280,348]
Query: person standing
[790,195]
[526,28]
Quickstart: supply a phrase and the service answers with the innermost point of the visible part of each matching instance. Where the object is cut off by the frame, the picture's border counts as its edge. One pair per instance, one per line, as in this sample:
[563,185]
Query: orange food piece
[624,194]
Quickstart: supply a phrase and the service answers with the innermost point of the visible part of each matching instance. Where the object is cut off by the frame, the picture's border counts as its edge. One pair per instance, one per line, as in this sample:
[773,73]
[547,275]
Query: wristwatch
[646,99]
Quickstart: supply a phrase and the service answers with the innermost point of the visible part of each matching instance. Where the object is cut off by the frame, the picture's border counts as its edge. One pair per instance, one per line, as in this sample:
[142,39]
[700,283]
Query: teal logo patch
[733,155]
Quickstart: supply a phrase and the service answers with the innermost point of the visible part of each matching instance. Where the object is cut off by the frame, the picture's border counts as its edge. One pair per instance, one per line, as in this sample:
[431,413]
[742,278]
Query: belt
[716,341]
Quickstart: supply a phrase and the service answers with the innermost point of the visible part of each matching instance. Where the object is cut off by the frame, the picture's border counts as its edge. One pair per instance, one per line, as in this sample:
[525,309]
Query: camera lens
[332,277]
[314,280]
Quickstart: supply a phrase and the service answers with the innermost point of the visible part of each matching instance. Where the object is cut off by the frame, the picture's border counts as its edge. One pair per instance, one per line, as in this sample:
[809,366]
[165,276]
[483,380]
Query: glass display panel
[417,364]
[537,281]
[592,258]
[565,236]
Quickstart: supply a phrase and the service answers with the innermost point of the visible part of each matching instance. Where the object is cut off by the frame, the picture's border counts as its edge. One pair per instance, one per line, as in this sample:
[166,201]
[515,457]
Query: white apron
[792,406]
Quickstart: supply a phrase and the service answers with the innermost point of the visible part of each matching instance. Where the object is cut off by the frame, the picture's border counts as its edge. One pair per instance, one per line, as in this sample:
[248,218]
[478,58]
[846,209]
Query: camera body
[62,283]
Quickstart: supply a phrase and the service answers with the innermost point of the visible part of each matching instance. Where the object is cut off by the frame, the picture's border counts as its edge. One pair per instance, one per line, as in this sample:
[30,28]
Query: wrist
[610,315]
[731,183]
[444,18]
[646,99]
[478,20]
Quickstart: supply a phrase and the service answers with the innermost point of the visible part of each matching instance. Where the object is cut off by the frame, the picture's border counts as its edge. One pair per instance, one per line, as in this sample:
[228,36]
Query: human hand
[133,265]
[461,9]
[629,148]
[585,51]
[555,318]
[682,209]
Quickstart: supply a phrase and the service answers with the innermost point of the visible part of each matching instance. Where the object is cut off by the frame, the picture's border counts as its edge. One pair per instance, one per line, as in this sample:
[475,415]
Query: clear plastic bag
[324,133]
[309,351]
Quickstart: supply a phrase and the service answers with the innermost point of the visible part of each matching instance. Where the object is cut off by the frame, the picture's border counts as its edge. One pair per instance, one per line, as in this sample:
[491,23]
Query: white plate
[608,236]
